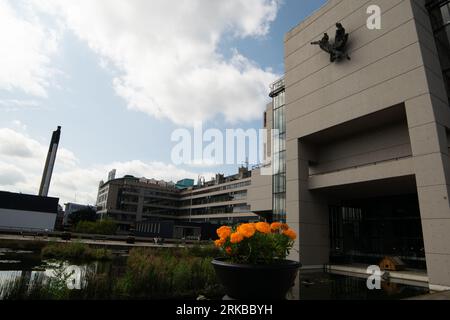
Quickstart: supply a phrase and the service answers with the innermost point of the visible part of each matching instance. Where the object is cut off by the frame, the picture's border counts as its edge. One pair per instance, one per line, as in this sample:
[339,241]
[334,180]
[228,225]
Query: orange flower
[284,226]
[224,232]
[247,230]
[276,226]
[263,227]
[290,233]
[219,242]
[229,250]
[236,237]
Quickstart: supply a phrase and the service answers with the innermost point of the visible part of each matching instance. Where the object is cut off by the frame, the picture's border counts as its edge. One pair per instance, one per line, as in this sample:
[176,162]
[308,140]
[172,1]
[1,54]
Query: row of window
[160,202]
[132,201]
[440,14]
[279,183]
[279,163]
[232,196]
[279,158]
[222,188]
[279,100]
[230,221]
[154,228]
[440,20]
[216,210]
[122,217]
[279,120]
[279,206]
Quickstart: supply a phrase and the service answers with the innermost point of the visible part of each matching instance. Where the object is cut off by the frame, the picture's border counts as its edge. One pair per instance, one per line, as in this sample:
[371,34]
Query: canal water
[26,264]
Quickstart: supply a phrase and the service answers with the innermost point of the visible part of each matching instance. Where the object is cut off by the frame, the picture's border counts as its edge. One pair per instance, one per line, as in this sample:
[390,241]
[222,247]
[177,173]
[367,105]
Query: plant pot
[257,281]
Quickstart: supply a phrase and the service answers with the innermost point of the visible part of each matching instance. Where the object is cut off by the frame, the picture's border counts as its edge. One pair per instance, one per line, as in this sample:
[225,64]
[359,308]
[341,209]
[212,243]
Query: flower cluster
[256,242]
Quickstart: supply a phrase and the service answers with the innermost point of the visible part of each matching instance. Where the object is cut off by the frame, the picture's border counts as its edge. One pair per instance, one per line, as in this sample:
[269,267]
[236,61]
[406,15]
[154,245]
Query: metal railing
[359,166]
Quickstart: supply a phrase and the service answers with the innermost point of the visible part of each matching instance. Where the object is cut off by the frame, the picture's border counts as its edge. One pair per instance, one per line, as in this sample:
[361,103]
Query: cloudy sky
[121,75]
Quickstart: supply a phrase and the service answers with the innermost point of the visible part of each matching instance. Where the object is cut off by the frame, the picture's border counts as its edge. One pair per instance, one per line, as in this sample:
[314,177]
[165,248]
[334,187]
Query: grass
[22,245]
[167,275]
[147,274]
[75,251]
[36,288]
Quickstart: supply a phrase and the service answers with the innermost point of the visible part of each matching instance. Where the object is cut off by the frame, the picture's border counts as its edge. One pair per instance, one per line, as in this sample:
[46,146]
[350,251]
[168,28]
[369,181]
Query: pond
[27,265]
[313,285]
[138,274]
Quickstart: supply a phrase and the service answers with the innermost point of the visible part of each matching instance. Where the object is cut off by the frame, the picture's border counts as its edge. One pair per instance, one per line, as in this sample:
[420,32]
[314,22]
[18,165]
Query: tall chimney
[50,163]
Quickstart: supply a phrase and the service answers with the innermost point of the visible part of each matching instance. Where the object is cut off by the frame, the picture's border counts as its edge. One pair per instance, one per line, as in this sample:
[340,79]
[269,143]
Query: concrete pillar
[432,169]
[140,206]
[307,213]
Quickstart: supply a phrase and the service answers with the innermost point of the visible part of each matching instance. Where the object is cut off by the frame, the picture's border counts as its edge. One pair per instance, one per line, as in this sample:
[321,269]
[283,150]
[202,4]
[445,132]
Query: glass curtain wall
[440,21]
[279,151]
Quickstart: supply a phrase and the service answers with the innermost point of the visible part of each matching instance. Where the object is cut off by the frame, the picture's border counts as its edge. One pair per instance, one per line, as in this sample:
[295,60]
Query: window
[440,20]
[279,121]
[279,183]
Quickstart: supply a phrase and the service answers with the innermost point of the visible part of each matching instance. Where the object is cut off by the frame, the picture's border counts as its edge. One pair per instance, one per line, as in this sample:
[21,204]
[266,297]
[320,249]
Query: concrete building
[128,200]
[21,212]
[176,229]
[367,139]
[223,200]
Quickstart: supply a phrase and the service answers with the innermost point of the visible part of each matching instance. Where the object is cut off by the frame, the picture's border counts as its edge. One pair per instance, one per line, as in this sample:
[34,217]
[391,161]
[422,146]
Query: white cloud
[22,160]
[16,104]
[167,53]
[16,145]
[19,125]
[10,175]
[26,49]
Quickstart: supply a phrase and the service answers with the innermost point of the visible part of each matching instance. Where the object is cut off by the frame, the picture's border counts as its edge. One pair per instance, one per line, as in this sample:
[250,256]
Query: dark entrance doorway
[366,230]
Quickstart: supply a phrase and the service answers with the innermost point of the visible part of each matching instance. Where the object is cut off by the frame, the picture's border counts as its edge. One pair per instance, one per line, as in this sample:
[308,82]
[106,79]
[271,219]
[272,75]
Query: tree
[87,214]
[104,227]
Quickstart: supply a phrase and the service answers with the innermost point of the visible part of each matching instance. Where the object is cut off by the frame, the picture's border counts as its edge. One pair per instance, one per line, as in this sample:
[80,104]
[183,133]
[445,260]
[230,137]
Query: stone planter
[257,281]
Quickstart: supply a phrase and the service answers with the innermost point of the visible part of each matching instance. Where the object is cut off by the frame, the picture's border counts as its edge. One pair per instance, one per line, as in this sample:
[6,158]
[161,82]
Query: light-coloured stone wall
[259,194]
[397,65]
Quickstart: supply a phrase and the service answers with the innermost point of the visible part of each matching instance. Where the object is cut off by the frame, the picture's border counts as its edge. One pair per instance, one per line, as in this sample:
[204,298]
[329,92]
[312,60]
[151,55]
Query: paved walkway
[445,295]
[108,243]
[409,275]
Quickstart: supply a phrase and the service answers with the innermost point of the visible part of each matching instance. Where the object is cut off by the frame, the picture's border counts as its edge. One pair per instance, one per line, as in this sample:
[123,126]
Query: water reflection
[27,266]
[328,286]
[73,275]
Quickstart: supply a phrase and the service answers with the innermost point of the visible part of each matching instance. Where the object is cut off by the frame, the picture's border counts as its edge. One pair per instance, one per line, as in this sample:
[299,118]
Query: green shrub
[149,273]
[209,251]
[74,251]
[104,227]
[167,274]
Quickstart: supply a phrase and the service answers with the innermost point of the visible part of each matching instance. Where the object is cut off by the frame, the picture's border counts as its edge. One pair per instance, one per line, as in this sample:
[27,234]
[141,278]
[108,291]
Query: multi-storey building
[223,200]
[129,199]
[367,138]
[220,201]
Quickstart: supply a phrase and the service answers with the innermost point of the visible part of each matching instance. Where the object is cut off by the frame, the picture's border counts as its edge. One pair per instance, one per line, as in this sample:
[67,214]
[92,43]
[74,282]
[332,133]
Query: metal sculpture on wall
[338,49]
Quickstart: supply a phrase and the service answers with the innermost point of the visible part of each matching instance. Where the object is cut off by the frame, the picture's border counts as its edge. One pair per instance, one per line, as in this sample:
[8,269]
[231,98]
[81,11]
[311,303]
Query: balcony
[392,168]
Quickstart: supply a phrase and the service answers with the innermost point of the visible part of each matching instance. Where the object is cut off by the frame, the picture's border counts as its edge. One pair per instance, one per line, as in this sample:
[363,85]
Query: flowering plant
[256,242]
